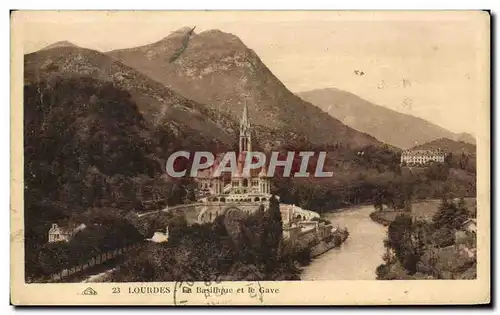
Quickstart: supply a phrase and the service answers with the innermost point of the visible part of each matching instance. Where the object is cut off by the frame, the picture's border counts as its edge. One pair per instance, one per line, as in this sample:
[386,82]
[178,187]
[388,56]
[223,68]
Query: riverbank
[445,251]
[338,237]
[347,208]
[380,218]
[359,254]
[423,209]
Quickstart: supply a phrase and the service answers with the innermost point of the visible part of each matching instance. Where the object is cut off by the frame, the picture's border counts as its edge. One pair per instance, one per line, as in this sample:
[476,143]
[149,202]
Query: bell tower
[245,131]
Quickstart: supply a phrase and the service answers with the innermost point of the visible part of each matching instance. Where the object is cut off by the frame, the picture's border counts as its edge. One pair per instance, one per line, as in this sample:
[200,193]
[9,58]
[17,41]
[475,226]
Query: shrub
[450,215]
[337,240]
[443,237]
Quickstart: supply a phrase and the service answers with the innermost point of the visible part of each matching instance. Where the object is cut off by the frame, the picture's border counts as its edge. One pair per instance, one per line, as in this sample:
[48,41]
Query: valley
[100,126]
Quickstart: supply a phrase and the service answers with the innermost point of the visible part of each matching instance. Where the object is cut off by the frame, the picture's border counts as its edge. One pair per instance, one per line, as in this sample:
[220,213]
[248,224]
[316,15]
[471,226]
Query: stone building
[58,234]
[254,186]
[422,157]
[291,233]
[63,233]
[287,213]
[293,214]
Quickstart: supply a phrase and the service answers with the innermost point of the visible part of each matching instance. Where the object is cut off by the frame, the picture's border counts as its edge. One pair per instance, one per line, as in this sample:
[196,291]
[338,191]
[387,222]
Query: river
[359,255]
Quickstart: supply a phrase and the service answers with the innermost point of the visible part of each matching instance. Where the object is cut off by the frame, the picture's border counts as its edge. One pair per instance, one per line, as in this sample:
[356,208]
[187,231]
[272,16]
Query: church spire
[244,117]
[245,131]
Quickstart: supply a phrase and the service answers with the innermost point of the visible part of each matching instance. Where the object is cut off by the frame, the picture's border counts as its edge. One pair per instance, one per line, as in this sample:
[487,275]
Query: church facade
[239,187]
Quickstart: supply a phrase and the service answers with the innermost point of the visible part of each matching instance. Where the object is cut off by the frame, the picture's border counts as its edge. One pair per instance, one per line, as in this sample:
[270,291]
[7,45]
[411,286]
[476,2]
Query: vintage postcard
[250,158]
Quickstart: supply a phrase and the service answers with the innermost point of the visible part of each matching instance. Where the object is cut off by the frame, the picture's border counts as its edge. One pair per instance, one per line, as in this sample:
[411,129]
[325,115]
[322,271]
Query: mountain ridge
[160,106]
[383,123]
[62,43]
[449,145]
[217,69]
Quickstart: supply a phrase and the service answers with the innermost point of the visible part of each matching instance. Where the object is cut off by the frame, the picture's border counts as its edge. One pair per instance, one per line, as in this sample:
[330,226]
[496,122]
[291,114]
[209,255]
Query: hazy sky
[431,65]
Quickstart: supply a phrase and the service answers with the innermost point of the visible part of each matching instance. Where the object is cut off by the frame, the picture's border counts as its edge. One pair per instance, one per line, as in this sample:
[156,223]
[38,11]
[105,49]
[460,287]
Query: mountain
[63,43]
[465,137]
[398,129]
[167,113]
[97,133]
[85,145]
[217,69]
[74,127]
[448,145]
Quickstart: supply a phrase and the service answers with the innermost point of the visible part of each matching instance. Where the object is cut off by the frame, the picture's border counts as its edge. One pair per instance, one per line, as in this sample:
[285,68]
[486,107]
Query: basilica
[239,187]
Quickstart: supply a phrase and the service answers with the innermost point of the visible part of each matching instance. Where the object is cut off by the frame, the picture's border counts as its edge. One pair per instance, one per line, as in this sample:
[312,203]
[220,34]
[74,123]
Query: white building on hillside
[422,157]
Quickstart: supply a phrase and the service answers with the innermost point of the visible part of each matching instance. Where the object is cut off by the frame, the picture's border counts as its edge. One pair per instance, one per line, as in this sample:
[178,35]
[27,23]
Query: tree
[54,257]
[273,233]
[450,215]
[407,237]
[177,194]
[177,227]
[464,161]
[190,195]
[407,197]
[448,159]
[378,200]
[461,204]
[437,171]
[443,237]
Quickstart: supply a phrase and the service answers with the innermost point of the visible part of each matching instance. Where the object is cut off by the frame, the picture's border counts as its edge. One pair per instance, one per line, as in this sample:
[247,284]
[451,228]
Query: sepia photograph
[211,151]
